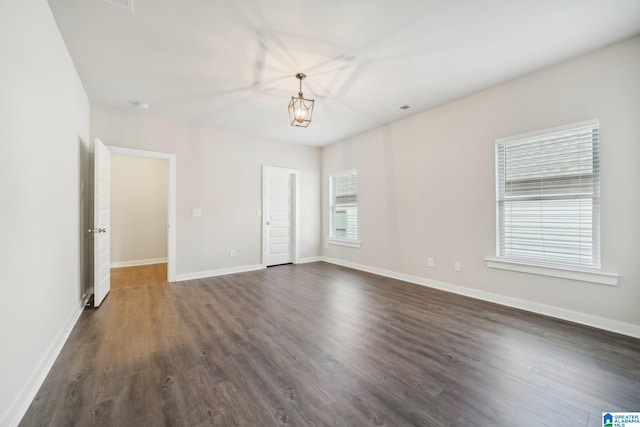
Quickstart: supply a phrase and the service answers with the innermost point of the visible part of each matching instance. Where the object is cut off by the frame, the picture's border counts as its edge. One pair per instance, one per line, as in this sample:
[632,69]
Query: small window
[343,205]
[548,197]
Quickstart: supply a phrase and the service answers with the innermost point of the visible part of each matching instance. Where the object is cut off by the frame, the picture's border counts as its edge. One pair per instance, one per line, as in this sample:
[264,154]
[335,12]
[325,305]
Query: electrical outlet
[430,262]
[197,212]
[232,253]
[457,266]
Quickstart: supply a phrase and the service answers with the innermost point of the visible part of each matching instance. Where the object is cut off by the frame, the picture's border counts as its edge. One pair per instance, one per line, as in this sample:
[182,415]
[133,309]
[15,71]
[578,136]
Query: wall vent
[401,109]
[125,4]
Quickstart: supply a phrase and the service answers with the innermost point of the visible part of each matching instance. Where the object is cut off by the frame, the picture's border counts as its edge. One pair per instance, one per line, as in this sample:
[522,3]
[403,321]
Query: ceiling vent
[401,109]
[140,105]
[125,4]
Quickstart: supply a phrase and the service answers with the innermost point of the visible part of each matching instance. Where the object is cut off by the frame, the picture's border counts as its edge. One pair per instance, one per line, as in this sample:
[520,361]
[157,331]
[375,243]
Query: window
[343,205]
[548,197]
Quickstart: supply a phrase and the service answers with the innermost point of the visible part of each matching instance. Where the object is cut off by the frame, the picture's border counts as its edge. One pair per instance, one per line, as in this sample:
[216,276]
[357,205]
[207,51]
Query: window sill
[565,273]
[348,243]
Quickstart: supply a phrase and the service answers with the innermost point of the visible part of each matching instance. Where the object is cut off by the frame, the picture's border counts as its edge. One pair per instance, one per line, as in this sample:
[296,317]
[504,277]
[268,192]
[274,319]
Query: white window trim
[343,242]
[331,240]
[519,137]
[562,272]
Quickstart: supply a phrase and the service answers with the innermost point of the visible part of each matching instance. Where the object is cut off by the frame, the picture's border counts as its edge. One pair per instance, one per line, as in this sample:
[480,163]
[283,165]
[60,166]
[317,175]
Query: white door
[279,244]
[101,217]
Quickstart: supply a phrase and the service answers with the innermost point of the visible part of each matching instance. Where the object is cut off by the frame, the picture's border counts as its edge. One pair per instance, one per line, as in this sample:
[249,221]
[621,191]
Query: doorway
[280,194]
[133,241]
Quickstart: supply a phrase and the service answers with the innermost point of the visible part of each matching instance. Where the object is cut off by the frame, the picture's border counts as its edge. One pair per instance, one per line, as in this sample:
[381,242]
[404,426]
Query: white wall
[139,191]
[427,183]
[219,172]
[44,133]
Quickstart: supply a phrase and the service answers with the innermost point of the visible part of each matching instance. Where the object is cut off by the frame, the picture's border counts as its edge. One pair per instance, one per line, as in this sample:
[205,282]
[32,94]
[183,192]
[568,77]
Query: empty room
[409,213]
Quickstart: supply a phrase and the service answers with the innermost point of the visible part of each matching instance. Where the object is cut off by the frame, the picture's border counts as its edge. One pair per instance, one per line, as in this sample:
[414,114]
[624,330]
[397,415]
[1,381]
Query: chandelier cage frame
[300,108]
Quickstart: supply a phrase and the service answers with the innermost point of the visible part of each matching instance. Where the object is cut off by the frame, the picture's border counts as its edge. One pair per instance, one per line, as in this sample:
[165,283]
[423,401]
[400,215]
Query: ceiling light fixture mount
[300,108]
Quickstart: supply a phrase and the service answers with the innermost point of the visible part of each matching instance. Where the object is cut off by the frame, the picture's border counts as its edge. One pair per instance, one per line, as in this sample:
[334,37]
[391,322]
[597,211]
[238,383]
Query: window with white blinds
[548,197]
[343,201]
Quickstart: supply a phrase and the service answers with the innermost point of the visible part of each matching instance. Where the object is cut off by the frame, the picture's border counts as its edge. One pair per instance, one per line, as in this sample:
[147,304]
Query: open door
[101,218]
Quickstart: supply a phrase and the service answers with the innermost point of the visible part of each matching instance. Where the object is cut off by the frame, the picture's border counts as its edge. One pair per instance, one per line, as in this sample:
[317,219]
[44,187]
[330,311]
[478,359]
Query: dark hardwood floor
[318,344]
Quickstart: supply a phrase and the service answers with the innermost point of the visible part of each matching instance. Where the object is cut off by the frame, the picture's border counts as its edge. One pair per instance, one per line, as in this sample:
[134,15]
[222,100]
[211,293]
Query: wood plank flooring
[144,275]
[318,344]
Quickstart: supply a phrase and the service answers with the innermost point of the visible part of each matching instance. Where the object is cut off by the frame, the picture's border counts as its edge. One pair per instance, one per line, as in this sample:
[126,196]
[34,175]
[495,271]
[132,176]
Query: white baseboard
[308,259]
[137,262]
[547,310]
[19,407]
[218,272]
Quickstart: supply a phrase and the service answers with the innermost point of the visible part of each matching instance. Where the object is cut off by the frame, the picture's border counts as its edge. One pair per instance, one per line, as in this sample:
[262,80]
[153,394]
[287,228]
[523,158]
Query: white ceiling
[231,63]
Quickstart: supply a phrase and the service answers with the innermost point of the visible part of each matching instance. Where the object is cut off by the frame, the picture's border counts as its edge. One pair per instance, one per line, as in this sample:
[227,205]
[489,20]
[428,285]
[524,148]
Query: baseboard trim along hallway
[218,272]
[138,262]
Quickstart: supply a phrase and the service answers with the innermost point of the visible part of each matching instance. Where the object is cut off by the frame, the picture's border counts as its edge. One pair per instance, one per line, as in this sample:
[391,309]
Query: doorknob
[267,222]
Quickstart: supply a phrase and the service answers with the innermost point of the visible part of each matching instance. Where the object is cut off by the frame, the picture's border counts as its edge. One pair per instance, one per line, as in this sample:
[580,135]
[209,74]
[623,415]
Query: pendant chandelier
[300,108]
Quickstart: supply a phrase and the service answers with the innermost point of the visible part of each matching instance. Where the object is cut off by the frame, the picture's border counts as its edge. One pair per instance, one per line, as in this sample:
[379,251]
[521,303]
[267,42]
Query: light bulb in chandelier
[300,108]
[300,113]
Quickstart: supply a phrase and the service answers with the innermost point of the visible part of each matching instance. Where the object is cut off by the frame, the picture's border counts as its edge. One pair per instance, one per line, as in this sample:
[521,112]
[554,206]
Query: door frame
[171,200]
[295,173]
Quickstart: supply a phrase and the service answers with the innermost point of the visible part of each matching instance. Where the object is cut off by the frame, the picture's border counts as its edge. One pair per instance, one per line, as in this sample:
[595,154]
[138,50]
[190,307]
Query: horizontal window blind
[548,197]
[344,205]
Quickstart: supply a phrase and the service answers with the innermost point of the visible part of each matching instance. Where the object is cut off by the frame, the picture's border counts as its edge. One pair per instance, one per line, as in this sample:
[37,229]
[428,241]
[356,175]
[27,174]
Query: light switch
[258,212]
[197,212]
